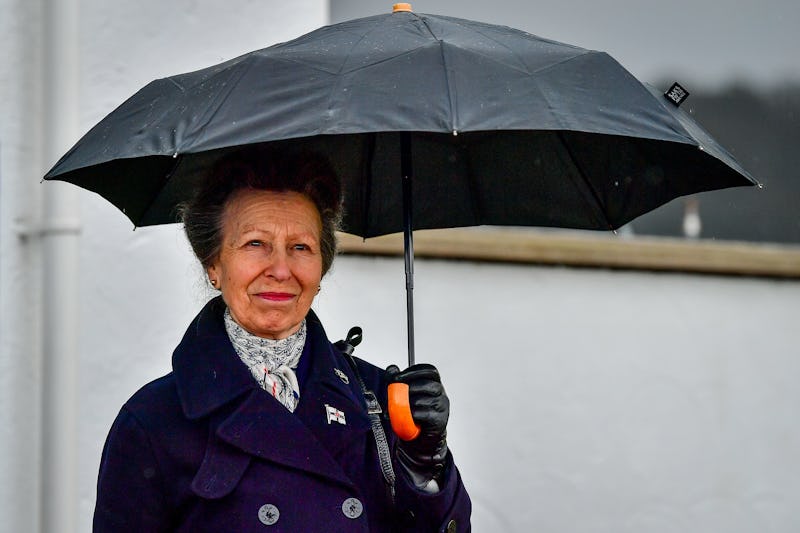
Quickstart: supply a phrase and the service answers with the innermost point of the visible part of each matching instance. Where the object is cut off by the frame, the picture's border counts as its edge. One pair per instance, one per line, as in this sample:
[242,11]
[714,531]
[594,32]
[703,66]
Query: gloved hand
[424,457]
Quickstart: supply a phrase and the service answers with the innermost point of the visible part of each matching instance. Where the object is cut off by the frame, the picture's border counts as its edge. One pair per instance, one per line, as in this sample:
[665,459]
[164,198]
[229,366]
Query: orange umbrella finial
[401,7]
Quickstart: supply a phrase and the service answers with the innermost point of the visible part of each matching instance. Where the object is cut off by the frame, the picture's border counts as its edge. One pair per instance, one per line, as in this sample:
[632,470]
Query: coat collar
[208,373]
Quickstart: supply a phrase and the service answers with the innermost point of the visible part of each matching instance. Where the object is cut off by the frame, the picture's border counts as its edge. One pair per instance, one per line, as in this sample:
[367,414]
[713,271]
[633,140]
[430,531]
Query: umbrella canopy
[503,128]
[496,126]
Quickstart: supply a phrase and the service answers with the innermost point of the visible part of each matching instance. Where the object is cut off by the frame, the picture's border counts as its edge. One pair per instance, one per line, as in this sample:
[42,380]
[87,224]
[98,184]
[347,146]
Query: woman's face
[269,266]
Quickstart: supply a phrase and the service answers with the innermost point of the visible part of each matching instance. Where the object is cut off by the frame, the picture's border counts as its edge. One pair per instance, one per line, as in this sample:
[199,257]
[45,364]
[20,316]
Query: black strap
[347,346]
[349,343]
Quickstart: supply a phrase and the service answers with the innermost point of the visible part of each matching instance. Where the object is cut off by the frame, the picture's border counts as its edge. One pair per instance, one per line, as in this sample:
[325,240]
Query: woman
[263,423]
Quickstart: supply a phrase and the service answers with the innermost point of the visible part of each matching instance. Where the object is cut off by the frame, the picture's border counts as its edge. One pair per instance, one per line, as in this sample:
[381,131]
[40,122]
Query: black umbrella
[478,124]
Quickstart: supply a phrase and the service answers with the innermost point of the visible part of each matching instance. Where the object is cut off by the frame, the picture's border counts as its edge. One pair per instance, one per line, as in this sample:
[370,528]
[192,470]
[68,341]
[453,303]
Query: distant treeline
[761,128]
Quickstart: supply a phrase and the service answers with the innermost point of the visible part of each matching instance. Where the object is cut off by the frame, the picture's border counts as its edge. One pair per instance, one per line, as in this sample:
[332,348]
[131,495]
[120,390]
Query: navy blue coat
[204,448]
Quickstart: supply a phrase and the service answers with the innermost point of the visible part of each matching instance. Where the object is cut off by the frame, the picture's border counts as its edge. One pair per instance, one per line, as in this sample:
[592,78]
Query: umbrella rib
[475,203]
[427,26]
[367,171]
[167,176]
[598,203]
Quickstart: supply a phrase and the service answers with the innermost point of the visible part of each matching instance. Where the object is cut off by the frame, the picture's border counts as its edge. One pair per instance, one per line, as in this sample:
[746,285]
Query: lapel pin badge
[342,376]
[334,415]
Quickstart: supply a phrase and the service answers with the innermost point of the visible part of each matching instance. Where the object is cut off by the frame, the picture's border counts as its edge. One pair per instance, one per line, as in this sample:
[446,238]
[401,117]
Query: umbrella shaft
[408,238]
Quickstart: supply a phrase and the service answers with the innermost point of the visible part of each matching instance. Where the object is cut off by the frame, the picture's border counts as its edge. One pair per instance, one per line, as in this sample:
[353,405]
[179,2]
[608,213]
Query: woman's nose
[278,266]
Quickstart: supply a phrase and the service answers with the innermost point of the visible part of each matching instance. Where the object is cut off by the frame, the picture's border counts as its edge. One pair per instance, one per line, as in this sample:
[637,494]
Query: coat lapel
[330,384]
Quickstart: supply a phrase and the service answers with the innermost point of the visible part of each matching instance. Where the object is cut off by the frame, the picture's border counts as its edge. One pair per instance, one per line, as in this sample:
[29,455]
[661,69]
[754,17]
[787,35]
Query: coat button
[352,508]
[268,514]
[451,526]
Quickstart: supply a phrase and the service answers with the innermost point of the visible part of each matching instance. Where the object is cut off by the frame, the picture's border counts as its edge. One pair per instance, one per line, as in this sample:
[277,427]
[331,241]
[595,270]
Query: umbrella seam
[360,39]
[424,21]
[176,84]
[223,67]
[426,45]
[562,62]
[583,51]
[331,99]
[564,126]
[219,102]
[341,69]
[459,22]
[452,94]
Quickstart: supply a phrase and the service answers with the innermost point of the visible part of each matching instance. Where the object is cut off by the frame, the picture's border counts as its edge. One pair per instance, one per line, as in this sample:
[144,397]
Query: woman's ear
[213,277]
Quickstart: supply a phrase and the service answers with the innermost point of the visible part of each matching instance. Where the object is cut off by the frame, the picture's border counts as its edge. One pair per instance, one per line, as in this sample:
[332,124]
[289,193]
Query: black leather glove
[424,457]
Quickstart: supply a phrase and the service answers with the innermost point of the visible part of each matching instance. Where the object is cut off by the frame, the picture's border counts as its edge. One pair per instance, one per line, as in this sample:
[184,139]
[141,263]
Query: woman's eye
[301,247]
[254,243]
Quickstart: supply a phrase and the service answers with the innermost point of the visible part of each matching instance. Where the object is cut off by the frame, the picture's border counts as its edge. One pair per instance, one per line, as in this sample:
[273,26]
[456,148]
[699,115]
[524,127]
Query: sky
[704,44]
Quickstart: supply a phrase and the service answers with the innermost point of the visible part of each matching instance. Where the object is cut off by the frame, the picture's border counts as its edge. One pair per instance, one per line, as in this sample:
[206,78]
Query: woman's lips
[276,296]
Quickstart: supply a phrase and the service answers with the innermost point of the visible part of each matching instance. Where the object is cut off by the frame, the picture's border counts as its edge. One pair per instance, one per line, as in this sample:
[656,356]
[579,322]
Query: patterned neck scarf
[271,362]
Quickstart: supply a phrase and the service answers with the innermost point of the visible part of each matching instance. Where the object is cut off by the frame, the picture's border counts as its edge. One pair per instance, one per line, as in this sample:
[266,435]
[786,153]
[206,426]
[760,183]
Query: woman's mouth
[276,296]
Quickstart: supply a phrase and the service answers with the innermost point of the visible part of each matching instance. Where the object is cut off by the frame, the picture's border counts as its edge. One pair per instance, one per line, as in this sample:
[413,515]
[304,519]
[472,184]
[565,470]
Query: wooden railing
[589,249]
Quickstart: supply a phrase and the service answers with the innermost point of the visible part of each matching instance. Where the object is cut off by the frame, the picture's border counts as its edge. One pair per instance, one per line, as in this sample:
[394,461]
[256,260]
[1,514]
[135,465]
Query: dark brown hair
[261,168]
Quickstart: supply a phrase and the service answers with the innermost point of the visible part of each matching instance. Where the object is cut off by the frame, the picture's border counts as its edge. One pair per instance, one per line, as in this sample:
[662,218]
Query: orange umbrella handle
[400,412]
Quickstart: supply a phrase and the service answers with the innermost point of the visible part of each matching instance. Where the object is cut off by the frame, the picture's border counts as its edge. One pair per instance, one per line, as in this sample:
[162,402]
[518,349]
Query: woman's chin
[273,329]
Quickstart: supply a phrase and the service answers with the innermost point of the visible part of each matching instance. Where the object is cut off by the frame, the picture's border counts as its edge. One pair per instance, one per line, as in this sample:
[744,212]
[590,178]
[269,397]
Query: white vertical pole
[60,227]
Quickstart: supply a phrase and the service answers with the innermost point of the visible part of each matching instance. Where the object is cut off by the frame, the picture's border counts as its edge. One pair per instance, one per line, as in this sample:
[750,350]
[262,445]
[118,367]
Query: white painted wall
[583,400]
[122,46]
[600,401]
